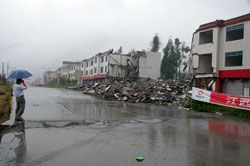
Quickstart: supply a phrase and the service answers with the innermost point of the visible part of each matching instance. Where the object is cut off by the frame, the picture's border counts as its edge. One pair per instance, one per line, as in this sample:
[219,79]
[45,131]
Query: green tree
[177,52]
[119,51]
[132,52]
[174,56]
[181,51]
[155,44]
[168,64]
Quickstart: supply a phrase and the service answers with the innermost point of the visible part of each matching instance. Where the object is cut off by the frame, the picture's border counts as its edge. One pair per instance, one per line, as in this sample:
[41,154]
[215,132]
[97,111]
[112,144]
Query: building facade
[149,65]
[95,67]
[120,66]
[104,65]
[70,70]
[221,55]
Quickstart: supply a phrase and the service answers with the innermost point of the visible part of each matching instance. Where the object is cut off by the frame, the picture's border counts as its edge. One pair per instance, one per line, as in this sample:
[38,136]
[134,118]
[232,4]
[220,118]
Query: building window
[206,37]
[234,58]
[96,60]
[106,58]
[86,72]
[102,59]
[91,72]
[87,64]
[101,69]
[105,69]
[91,62]
[235,32]
[95,70]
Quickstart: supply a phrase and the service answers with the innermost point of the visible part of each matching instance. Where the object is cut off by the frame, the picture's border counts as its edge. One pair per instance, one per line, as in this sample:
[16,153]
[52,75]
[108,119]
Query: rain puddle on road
[69,128]
[110,110]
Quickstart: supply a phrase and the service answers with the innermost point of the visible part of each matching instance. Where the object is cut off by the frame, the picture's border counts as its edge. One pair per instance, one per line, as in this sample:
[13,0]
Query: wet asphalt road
[64,127]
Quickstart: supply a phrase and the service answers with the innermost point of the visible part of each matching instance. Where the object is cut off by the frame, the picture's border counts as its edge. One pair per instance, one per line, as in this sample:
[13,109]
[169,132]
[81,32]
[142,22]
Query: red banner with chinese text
[241,102]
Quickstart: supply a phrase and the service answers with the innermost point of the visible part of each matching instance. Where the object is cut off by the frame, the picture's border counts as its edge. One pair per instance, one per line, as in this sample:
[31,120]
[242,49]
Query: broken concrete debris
[156,92]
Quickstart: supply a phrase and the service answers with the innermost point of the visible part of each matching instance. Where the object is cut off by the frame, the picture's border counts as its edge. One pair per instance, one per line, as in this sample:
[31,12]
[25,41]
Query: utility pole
[3,77]
[2,68]
[8,68]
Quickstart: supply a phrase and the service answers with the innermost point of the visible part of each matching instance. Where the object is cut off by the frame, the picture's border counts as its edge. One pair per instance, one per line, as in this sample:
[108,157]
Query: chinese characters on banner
[221,99]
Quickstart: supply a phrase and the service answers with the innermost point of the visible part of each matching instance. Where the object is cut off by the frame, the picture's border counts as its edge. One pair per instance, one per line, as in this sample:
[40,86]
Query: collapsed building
[142,65]
[108,65]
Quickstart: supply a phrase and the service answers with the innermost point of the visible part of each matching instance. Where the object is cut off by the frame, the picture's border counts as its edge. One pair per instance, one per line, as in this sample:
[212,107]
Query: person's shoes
[19,119]
[17,123]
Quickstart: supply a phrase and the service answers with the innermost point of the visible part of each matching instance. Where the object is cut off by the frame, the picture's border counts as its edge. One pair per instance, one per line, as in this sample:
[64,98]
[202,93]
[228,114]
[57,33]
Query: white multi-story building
[108,64]
[95,67]
[221,52]
[71,70]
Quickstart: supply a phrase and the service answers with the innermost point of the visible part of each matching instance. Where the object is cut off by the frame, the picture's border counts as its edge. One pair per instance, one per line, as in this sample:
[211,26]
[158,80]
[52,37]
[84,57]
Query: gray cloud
[37,34]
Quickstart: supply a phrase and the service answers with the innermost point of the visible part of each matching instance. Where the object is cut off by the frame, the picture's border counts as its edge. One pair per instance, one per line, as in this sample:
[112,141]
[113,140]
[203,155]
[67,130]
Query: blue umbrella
[19,74]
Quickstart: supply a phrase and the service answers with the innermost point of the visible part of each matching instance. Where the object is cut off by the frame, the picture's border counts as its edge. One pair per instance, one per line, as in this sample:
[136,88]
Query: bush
[2,79]
[5,102]
[208,107]
[59,85]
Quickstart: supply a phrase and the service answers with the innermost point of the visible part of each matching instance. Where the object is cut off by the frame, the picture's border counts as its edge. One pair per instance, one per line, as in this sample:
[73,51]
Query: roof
[99,54]
[222,23]
[85,60]
[105,53]
[71,63]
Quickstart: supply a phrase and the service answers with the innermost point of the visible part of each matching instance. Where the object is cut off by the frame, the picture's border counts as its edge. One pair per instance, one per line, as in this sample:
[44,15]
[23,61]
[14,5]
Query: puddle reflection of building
[13,145]
[230,129]
[226,143]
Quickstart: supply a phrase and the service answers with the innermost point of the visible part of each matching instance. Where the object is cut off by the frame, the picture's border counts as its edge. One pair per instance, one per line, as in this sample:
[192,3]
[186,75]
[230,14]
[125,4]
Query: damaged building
[70,70]
[221,56]
[104,65]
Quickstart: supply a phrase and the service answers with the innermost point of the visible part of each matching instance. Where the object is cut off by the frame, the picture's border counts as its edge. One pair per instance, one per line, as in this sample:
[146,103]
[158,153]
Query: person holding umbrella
[18,88]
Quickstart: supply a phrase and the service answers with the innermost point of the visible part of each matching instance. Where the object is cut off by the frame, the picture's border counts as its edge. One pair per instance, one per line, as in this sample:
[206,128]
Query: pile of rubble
[156,92]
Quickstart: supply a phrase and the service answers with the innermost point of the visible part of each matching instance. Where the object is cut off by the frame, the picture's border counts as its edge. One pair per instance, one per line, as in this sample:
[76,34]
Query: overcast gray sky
[36,34]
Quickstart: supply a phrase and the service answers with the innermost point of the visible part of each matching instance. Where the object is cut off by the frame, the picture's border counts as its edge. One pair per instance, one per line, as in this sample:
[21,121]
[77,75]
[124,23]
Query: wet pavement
[64,127]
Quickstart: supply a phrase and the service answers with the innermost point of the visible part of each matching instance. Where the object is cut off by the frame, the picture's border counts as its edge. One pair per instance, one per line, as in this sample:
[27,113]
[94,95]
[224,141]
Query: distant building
[120,66]
[221,54]
[49,76]
[142,65]
[71,70]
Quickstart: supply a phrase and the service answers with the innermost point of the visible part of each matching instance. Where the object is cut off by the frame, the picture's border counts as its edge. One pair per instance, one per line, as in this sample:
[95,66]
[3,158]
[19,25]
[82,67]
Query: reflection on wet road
[64,127]
[13,146]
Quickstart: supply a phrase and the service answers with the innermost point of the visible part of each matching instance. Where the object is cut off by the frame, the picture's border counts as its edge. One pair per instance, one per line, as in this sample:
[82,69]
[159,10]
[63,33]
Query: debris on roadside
[155,92]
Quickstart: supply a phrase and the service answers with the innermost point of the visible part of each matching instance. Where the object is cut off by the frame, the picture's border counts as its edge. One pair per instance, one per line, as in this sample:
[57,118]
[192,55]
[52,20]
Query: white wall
[236,45]
[83,68]
[98,65]
[208,48]
[205,63]
[116,65]
[149,65]
[89,66]
[219,47]
[104,64]
[95,65]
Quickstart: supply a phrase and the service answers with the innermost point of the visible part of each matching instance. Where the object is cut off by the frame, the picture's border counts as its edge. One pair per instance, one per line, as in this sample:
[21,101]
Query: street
[65,127]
